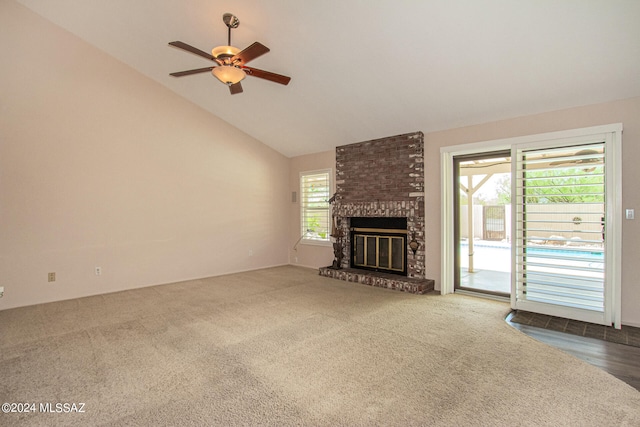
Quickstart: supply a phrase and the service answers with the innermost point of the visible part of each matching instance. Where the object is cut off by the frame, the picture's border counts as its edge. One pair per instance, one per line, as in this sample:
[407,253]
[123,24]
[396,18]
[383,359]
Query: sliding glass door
[482,225]
[564,217]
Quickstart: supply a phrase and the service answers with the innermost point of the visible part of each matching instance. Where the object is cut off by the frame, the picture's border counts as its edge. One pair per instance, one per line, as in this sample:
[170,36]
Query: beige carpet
[284,346]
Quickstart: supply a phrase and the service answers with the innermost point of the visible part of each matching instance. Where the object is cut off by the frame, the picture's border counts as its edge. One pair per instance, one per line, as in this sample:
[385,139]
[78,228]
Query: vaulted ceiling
[365,69]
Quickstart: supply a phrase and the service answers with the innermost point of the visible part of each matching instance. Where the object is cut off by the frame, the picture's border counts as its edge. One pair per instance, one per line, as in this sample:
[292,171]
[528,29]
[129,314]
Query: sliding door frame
[457,215]
[613,221]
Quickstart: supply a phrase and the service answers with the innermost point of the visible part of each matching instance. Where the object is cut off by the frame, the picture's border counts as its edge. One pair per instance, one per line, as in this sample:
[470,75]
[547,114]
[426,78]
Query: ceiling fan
[231,68]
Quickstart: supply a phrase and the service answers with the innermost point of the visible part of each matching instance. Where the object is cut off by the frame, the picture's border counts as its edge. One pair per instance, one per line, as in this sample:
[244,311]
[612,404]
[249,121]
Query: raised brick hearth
[382,178]
[380,280]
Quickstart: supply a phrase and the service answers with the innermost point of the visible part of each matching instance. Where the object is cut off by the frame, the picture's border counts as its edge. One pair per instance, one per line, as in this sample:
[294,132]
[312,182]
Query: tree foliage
[569,185]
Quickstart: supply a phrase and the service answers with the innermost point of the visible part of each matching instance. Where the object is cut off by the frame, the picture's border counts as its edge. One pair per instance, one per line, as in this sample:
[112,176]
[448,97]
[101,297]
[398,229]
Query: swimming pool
[593,253]
[496,256]
[552,271]
[585,254]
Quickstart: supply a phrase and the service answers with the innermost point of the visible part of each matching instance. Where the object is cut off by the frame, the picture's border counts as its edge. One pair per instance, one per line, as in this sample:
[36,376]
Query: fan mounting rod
[230,21]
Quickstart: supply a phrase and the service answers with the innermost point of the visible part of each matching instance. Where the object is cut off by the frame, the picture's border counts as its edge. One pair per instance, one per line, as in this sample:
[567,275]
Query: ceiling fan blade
[235,88]
[267,75]
[250,53]
[189,72]
[189,48]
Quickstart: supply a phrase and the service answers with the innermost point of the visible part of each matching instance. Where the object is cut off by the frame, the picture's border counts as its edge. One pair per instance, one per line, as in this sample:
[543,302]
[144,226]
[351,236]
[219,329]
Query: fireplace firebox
[379,244]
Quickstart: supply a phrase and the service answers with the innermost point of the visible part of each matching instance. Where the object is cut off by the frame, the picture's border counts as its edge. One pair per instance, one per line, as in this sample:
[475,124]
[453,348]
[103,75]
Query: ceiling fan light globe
[224,51]
[228,74]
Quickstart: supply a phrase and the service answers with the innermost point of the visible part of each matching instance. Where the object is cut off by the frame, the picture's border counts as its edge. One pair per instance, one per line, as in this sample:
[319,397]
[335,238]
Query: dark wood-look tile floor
[620,360]
[627,335]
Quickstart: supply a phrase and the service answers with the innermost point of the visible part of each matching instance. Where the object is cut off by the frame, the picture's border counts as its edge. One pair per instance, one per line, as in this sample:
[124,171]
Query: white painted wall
[101,166]
[303,254]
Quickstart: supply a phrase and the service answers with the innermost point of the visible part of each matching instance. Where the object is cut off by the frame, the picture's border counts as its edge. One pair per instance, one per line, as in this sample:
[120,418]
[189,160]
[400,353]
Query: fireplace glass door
[379,252]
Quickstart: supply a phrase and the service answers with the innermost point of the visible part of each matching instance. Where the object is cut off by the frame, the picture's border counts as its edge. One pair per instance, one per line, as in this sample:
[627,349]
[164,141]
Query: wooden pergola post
[470,190]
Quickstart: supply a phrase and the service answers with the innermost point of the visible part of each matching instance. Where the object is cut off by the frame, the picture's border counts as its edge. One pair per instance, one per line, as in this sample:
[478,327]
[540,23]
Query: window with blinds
[315,219]
[560,227]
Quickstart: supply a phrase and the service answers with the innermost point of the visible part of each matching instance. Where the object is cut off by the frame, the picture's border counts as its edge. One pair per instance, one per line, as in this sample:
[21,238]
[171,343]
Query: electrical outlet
[52,277]
[250,252]
[1,291]
[98,271]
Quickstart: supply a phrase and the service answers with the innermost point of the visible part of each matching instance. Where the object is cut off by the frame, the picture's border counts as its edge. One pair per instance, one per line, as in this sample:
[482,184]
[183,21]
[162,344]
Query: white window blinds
[314,195]
[560,225]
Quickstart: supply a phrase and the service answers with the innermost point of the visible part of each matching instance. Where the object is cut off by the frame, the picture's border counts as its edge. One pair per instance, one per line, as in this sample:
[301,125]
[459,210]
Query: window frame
[304,239]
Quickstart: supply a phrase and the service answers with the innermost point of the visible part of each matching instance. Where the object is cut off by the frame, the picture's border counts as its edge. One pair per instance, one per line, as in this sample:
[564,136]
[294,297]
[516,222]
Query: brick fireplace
[382,178]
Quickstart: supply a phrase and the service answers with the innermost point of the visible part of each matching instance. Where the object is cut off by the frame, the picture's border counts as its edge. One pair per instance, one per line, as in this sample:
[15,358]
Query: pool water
[497,256]
[594,255]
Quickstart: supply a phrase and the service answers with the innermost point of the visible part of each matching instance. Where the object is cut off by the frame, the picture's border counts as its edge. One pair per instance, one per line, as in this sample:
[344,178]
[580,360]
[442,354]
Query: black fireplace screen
[379,244]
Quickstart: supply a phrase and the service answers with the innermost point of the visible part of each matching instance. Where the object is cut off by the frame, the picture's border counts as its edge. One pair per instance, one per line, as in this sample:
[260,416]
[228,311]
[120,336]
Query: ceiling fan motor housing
[224,52]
